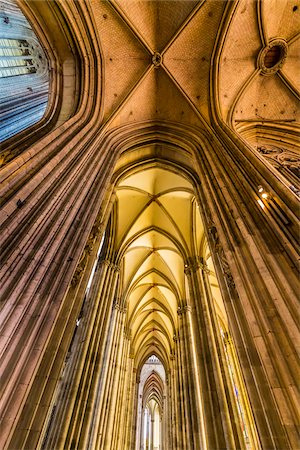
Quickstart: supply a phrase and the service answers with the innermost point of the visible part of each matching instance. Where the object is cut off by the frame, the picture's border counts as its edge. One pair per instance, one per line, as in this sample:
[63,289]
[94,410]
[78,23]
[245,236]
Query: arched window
[24,74]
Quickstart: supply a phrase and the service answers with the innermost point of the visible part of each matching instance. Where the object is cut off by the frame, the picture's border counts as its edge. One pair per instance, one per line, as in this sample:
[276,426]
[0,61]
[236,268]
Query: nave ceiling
[158,232]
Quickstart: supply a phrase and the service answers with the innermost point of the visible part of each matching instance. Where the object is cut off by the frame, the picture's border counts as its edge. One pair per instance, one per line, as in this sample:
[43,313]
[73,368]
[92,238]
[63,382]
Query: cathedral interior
[150,188]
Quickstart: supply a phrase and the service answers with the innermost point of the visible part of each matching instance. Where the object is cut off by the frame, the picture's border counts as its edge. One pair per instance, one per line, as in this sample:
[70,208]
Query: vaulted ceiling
[249,91]
[158,61]
[158,226]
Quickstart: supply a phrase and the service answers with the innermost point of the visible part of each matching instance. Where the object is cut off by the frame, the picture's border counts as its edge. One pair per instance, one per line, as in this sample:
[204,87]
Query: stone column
[140,445]
[152,431]
[148,431]
[161,432]
[220,428]
[188,393]
[253,351]
[228,392]
[255,255]
[79,390]
[114,384]
[195,406]
[179,398]
[124,400]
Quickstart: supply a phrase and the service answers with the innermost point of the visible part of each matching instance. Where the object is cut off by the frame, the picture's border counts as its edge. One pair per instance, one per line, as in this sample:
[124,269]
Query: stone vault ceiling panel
[291,66]
[153,276]
[154,260]
[132,260]
[188,58]
[153,239]
[245,92]
[150,317]
[155,331]
[157,21]
[125,59]
[175,264]
[170,296]
[260,101]
[241,48]
[131,203]
[165,302]
[155,281]
[144,180]
[156,180]
[156,98]
[281,18]
[137,295]
[178,206]
[155,216]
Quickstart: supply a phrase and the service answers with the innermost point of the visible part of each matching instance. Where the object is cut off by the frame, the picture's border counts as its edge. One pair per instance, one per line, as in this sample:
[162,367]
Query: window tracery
[24,73]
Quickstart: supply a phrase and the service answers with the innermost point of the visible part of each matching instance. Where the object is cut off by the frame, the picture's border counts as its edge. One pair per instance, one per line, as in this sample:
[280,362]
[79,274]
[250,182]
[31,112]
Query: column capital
[193,263]
[110,264]
[118,304]
[184,309]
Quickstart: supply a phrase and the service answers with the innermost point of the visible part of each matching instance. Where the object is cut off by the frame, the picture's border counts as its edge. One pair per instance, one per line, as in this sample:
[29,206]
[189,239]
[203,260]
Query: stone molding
[267,71]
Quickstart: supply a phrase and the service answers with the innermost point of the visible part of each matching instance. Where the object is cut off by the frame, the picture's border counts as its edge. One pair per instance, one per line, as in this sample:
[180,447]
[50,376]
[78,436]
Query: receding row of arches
[154,319]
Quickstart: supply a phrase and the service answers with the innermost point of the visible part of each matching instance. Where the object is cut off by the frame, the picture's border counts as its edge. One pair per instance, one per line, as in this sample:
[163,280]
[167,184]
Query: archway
[151,405]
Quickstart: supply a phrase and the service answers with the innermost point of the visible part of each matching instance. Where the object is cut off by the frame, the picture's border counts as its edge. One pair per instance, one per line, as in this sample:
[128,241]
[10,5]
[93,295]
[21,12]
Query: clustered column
[216,404]
[82,393]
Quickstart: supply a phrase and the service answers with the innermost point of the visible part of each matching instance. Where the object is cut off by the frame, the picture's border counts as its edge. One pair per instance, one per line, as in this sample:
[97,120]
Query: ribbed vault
[258,82]
[158,228]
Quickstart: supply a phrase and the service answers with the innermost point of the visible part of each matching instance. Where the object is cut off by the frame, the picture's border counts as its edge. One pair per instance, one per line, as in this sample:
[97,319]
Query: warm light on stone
[150,195]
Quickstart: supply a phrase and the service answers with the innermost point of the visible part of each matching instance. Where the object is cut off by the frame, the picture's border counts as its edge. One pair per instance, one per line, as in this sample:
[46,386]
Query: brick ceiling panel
[125,58]
[241,48]
[157,21]
[281,18]
[267,98]
[188,58]
[157,98]
[291,66]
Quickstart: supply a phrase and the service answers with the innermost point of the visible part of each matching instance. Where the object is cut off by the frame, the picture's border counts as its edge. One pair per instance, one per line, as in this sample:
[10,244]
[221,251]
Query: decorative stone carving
[156,59]
[282,156]
[94,234]
[116,304]
[225,267]
[179,311]
[213,233]
[269,150]
[183,309]
[286,162]
[193,264]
